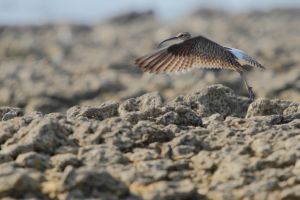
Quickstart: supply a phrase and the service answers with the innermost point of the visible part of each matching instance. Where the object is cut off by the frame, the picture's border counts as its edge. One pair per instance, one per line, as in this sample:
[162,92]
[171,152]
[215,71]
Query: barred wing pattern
[195,52]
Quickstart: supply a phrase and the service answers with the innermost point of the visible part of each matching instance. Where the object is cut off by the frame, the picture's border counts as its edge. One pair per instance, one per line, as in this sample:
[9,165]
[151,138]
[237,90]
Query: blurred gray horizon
[28,12]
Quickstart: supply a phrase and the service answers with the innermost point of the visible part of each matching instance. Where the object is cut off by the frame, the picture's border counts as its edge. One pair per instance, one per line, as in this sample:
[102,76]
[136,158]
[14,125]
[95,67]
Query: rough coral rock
[203,145]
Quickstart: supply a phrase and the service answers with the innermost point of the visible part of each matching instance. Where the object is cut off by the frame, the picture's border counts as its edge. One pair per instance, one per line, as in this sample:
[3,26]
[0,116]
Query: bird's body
[196,52]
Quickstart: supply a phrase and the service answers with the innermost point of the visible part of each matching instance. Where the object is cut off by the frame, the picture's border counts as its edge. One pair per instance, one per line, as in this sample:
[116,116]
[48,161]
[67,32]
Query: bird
[197,52]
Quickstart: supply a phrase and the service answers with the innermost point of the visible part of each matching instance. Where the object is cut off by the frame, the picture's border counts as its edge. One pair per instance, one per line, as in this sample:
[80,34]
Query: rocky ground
[80,121]
[210,144]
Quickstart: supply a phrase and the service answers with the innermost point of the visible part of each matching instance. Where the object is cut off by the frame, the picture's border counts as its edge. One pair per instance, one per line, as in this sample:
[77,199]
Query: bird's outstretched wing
[195,52]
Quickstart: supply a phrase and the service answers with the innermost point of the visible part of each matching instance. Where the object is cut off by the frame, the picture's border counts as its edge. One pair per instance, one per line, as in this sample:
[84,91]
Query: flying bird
[197,52]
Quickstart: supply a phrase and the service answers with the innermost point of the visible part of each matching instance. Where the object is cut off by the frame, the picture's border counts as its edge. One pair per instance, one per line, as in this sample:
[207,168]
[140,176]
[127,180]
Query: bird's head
[179,36]
[183,35]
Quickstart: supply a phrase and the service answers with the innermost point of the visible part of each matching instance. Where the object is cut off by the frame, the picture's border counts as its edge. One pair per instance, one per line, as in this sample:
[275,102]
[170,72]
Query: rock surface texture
[210,144]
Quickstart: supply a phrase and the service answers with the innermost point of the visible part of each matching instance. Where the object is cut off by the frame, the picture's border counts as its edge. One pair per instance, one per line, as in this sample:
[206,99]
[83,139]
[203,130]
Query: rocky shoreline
[211,144]
[80,121]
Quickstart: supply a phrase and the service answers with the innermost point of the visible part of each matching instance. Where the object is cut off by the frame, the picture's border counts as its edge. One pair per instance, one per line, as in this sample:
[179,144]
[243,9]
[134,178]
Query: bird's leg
[250,91]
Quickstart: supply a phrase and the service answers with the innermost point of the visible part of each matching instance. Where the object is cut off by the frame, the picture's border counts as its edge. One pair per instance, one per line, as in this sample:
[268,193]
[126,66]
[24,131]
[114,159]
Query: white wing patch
[243,58]
[238,53]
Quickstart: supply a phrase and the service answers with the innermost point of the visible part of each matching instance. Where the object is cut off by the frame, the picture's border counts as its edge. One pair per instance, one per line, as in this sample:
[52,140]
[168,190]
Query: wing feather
[244,59]
[197,52]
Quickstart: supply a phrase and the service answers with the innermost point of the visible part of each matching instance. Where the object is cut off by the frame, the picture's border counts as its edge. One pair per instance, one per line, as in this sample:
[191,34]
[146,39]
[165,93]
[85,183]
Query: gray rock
[283,158]
[61,161]
[7,113]
[183,189]
[140,154]
[216,99]
[33,160]
[4,158]
[184,146]
[292,109]
[10,127]
[19,183]
[183,152]
[116,132]
[290,193]
[105,110]
[86,182]
[147,106]
[142,103]
[188,116]
[181,116]
[262,107]
[45,105]
[148,133]
[98,155]
[43,135]
[204,161]
[261,148]
[230,168]
[150,100]
[169,118]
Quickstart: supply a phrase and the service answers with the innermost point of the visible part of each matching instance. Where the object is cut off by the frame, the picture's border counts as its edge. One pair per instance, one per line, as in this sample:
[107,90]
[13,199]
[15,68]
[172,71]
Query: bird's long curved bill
[166,40]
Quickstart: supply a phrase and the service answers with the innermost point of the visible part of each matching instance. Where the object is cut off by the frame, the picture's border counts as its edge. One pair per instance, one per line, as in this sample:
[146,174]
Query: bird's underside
[196,52]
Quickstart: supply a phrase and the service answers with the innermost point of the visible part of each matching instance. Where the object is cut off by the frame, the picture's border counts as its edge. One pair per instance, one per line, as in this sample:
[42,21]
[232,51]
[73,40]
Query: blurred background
[58,53]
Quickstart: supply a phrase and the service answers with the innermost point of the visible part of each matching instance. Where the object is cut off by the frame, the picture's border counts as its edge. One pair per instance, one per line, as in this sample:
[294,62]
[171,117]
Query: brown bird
[196,52]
